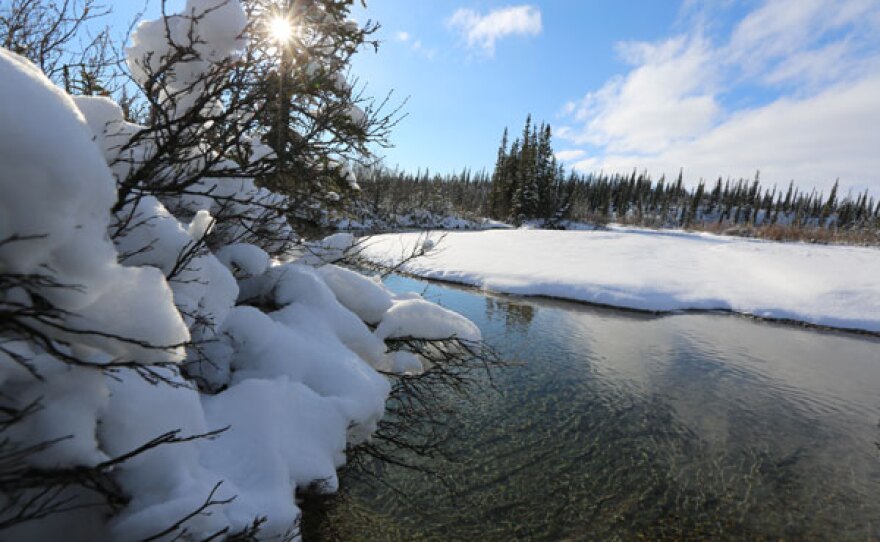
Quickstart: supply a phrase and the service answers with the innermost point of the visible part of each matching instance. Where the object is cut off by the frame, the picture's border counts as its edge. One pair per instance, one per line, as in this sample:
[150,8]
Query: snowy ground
[657,271]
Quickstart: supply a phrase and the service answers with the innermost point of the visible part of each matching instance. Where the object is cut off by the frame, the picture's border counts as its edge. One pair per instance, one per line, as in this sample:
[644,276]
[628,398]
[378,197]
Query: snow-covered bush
[170,366]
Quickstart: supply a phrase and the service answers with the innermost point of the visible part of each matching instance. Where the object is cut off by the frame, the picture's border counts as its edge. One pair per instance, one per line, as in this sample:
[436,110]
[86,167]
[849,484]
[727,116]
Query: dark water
[621,426]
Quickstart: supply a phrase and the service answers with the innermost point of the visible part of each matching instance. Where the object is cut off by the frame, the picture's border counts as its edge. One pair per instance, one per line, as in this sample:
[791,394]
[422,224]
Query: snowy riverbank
[657,271]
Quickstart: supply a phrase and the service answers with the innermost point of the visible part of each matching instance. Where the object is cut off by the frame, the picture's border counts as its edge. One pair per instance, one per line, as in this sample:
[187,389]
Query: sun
[280,29]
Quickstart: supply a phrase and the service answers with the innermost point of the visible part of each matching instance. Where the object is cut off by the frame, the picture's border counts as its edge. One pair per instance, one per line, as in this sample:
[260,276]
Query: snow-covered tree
[174,361]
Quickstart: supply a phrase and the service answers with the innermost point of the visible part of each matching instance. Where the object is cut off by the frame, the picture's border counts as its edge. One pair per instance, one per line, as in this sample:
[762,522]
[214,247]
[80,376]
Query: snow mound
[406,363]
[245,259]
[63,214]
[369,300]
[213,28]
[417,318]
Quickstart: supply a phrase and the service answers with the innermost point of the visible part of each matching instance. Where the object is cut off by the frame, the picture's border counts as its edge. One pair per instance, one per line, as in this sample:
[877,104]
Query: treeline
[636,199]
[392,199]
[528,185]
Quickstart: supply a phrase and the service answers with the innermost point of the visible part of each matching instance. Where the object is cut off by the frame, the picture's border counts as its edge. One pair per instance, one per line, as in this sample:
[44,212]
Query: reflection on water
[620,426]
[517,316]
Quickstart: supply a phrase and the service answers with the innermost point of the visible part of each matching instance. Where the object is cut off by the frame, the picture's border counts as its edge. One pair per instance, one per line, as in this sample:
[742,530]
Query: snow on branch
[152,285]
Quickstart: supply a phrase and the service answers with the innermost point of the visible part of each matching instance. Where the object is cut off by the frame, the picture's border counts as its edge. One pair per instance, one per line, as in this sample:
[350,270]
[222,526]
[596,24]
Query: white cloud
[680,104]
[665,99]
[415,45]
[570,155]
[482,31]
[804,42]
[587,165]
[812,141]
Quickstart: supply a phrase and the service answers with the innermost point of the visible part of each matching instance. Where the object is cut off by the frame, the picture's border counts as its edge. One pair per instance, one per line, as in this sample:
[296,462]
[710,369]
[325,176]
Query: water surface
[624,426]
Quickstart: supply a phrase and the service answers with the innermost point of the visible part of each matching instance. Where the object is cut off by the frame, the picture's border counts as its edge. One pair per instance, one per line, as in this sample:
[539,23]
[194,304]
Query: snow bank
[659,271]
[331,249]
[417,219]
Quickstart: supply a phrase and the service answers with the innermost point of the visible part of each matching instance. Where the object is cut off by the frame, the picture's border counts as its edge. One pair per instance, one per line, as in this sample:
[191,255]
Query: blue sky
[718,87]
[462,96]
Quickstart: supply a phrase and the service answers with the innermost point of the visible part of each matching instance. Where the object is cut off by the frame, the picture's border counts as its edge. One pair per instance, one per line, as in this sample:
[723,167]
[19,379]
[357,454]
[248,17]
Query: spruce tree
[497,195]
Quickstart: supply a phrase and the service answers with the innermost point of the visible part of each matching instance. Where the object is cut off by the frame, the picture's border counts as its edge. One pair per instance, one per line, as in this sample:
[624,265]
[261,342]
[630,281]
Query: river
[614,425]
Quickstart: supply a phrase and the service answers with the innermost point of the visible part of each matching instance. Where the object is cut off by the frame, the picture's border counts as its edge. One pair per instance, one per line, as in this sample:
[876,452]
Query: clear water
[622,426]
